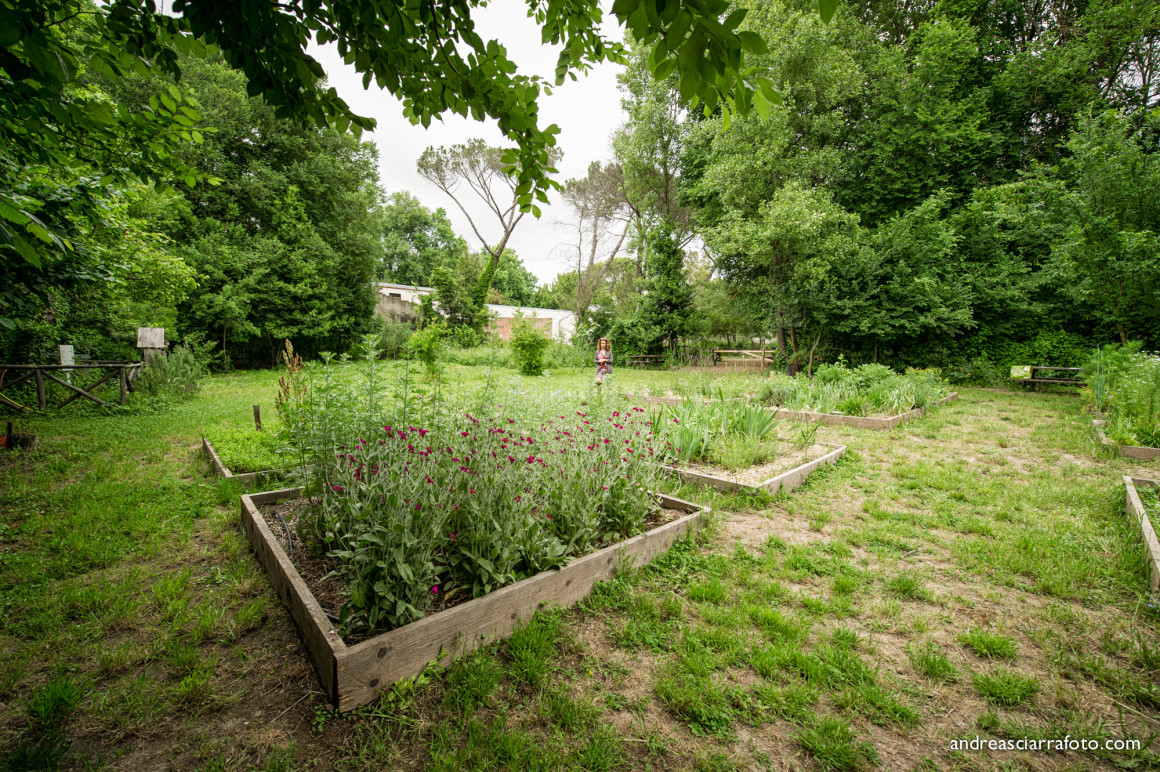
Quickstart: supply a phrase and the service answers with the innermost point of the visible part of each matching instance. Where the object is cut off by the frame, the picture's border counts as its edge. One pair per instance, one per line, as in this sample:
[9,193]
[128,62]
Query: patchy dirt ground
[968,574]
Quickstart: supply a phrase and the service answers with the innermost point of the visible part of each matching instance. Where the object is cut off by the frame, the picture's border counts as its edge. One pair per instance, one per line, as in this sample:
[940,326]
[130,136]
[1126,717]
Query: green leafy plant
[528,344]
[177,374]
[425,345]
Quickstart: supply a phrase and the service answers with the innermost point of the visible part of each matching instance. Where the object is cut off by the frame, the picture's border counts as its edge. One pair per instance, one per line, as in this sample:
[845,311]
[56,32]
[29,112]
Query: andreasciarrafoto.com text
[1067,743]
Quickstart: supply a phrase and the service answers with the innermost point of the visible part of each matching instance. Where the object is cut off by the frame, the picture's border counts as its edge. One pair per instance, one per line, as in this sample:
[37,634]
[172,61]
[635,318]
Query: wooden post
[258,417]
[124,385]
[40,389]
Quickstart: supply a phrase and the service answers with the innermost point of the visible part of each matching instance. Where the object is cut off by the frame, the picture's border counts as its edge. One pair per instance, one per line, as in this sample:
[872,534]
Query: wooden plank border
[1127,451]
[830,419]
[1136,509]
[786,481]
[861,422]
[245,478]
[658,400]
[354,675]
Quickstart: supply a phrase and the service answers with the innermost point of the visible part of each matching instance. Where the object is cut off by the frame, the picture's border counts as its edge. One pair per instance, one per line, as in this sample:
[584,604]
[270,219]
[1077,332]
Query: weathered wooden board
[861,422]
[219,469]
[245,478]
[786,481]
[1147,531]
[319,635]
[354,675]
[1127,451]
[659,400]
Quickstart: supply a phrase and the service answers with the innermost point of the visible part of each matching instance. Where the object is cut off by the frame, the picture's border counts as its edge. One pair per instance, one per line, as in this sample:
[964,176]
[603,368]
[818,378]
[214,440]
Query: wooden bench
[1052,376]
[644,360]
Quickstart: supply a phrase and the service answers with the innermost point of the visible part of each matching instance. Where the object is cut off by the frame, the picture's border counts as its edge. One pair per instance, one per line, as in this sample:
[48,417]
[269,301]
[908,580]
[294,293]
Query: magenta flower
[435,589]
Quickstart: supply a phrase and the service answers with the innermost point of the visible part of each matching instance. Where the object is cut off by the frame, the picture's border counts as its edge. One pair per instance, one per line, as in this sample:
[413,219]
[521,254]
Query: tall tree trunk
[813,348]
[780,333]
[1123,333]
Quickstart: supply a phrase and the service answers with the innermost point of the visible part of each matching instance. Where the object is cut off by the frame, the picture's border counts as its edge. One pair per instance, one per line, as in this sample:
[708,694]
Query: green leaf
[752,42]
[826,9]
[26,250]
[12,214]
[665,68]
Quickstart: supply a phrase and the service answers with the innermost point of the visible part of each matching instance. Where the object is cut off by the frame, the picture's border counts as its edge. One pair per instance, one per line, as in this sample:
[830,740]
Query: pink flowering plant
[449,503]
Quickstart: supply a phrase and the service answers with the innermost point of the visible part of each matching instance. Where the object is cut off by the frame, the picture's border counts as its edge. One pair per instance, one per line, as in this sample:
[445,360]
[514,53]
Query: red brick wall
[503,326]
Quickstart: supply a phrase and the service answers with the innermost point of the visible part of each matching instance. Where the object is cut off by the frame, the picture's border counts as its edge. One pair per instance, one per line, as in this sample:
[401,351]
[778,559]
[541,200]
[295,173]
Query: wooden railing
[125,373]
[759,357]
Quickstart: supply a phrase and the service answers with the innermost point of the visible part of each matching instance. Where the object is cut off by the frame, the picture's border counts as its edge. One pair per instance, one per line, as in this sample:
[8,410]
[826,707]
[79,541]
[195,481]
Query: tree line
[940,182]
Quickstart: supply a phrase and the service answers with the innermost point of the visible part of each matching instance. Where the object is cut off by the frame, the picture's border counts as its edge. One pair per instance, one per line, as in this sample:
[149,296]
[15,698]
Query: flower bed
[883,423]
[870,396]
[1143,497]
[1128,451]
[353,675]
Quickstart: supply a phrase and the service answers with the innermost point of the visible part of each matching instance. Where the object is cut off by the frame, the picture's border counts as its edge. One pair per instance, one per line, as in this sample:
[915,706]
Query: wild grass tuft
[1005,688]
[988,644]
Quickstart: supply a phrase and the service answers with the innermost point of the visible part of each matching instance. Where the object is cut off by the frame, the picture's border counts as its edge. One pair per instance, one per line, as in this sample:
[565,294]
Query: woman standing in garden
[603,359]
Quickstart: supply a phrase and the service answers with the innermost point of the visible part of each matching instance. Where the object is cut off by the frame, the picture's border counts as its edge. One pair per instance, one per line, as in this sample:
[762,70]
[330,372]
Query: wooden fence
[744,357]
[124,373]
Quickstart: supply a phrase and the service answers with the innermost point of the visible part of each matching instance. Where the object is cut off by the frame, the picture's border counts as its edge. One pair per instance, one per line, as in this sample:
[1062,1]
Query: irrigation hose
[289,538]
[290,550]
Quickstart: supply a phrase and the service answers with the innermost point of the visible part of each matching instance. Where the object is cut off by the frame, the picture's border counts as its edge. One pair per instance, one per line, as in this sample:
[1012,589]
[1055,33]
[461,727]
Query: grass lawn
[970,573]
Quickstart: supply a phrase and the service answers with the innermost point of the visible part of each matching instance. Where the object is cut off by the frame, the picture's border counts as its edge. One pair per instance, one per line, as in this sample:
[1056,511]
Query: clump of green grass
[930,661]
[878,704]
[530,647]
[571,714]
[701,703]
[908,584]
[1005,688]
[790,702]
[471,681]
[988,644]
[713,591]
[831,742]
[844,584]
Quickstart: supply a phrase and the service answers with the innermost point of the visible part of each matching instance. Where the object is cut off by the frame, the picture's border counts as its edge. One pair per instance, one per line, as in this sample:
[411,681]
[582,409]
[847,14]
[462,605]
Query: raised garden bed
[1139,513]
[772,477]
[247,479]
[354,674]
[861,422]
[1128,451]
[676,400]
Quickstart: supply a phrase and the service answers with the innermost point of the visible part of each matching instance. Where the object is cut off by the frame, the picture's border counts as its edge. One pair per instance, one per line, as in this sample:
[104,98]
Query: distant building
[400,302]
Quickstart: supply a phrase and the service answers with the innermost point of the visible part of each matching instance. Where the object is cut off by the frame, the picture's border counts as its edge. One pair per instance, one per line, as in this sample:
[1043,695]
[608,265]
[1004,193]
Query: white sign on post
[67,360]
[151,340]
[150,337]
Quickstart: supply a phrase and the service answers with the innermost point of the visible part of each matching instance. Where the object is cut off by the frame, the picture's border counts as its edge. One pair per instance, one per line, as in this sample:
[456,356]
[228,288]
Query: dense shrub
[866,389]
[425,345]
[393,338]
[528,344]
[1124,383]
[176,374]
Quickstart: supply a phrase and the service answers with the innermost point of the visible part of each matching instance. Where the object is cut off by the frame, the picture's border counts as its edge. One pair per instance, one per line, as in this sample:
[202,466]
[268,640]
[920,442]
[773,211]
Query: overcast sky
[587,112]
